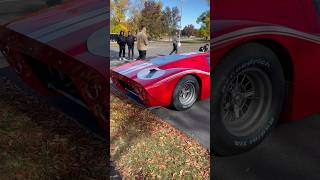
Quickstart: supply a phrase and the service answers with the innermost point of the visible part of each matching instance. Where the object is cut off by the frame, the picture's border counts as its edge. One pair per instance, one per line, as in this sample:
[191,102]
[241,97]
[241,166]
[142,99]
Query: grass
[39,142]
[145,147]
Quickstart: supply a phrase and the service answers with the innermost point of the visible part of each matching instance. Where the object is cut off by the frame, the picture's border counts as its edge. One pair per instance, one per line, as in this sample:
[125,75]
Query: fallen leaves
[39,142]
[144,146]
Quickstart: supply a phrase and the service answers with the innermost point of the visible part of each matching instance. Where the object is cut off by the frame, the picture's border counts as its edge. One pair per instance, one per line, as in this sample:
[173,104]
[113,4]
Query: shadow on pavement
[292,151]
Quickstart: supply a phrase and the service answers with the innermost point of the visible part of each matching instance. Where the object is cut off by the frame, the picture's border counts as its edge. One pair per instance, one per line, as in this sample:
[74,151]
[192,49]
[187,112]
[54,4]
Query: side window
[317,6]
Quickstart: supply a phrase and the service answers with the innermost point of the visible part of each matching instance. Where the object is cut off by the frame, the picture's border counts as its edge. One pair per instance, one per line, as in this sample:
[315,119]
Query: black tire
[177,101]
[244,111]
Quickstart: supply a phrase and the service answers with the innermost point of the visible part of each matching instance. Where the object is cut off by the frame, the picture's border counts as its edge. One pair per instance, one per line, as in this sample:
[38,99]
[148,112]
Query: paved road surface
[195,121]
[155,49]
[291,152]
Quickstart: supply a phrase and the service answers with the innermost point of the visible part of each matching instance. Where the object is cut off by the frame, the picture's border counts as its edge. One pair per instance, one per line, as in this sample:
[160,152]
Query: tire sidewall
[175,97]
[246,56]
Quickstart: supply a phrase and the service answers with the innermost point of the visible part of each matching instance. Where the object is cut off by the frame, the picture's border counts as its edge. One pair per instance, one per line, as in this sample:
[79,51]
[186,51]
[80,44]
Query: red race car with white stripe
[63,50]
[175,80]
[265,65]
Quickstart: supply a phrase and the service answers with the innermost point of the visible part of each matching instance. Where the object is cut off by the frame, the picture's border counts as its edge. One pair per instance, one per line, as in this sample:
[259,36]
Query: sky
[191,10]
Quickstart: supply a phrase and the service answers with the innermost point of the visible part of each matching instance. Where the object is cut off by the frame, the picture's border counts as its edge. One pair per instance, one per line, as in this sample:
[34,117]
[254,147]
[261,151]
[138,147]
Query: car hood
[159,64]
[77,28]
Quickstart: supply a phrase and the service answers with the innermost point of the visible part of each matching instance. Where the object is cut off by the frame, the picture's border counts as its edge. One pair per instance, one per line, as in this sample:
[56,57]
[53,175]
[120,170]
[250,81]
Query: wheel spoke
[236,110]
[248,94]
[228,116]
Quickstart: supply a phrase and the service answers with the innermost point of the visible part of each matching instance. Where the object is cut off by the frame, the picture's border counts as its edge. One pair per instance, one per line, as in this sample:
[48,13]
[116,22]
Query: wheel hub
[187,94]
[245,100]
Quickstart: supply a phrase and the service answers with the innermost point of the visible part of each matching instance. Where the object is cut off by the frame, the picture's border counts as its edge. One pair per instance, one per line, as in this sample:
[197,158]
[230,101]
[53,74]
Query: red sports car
[63,50]
[176,80]
[265,66]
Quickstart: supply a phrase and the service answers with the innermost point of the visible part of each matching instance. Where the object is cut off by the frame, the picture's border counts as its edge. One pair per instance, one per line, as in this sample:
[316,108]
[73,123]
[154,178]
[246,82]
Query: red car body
[67,39]
[290,28]
[158,90]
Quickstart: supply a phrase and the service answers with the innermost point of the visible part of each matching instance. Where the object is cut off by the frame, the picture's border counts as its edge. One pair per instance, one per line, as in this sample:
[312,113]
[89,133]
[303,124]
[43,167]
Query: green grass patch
[143,146]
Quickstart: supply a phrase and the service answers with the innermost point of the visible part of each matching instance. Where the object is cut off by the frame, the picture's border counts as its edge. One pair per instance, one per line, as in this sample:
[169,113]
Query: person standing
[122,45]
[130,43]
[142,42]
[175,43]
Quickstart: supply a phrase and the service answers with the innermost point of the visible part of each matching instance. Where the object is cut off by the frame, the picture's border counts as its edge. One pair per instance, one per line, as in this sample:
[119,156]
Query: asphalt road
[195,122]
[155,49]
[292,151]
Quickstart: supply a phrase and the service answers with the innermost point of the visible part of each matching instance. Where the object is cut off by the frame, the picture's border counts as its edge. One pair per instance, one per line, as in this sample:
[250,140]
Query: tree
[170,20]
[151,15]
[189,30]
[204,19]
[118,19]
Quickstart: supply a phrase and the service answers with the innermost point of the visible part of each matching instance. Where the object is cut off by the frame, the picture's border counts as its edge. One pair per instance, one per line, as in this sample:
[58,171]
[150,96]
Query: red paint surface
[68,53]
[159,91]
[232,15]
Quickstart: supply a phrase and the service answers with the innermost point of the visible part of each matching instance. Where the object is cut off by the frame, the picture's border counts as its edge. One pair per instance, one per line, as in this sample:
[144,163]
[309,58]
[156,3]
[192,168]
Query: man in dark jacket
[130,43]
[122,45]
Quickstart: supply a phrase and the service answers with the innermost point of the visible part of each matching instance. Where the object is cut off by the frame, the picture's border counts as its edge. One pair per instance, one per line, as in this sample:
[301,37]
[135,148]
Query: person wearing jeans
[130,43]
[122,45]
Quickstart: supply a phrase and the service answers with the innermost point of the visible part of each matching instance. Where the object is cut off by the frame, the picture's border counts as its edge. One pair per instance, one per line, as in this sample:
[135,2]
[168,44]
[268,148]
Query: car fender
[163,89]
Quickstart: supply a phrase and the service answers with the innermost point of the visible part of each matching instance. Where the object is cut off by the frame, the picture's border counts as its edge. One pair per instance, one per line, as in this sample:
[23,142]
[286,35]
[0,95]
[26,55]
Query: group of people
[129,40]
[142,44]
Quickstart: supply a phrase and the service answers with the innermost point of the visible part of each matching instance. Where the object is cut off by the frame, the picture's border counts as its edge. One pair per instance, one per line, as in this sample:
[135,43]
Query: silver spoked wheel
[187,95]
[246,100]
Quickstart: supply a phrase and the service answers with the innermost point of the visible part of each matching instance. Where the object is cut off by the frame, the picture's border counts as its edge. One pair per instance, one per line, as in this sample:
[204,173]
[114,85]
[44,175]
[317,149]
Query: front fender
[163,89]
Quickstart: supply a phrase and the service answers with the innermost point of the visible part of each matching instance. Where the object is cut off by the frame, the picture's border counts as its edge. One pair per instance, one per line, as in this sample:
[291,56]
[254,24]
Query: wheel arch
[198,78]
[283,55]
[281,52]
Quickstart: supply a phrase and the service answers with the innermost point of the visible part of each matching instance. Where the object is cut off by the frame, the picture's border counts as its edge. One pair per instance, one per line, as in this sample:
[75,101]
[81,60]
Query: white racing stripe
[279,30]
[135,68]
[69,26]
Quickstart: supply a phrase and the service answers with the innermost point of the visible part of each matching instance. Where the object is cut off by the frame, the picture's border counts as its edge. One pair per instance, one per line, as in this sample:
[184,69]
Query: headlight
[150,73]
